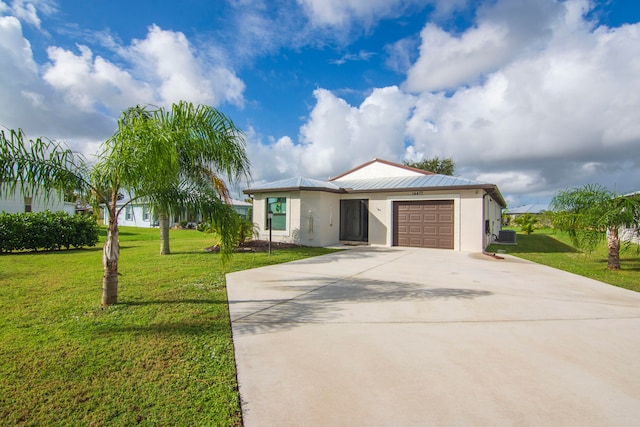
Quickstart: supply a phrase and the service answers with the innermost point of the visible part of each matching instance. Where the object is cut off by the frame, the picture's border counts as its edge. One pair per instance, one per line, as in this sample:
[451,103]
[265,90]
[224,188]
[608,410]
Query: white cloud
[536,120]
[168,59]
[344,13]
[162,69]
[25,10]
[506,30]
[88,82]
[35,107]
[337,136]
[551,104]
[514,181]
[77,95]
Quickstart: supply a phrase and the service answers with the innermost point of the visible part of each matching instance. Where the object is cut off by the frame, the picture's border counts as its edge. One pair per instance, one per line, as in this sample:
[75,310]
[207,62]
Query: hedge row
[46,230]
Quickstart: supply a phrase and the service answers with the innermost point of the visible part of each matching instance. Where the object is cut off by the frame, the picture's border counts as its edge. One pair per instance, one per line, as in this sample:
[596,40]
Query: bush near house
[46,230]
[526,222]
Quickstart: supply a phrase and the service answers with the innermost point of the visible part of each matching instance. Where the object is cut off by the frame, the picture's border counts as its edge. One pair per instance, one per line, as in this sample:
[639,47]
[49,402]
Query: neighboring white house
[527,209]
[139,214]
[380,203]
[630,233]
[16,202]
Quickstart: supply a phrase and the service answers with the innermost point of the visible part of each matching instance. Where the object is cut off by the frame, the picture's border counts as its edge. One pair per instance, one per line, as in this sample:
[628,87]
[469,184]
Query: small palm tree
[592,213]
[169,158]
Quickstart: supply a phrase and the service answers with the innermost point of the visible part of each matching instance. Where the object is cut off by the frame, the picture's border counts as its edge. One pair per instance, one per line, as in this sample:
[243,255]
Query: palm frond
[40,165]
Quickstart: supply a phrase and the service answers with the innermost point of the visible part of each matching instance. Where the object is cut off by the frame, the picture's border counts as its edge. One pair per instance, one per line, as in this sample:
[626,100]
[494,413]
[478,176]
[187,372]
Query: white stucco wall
[260,216]
[15,203]
[492,213]
[312,218]
[320,218]
[377,170]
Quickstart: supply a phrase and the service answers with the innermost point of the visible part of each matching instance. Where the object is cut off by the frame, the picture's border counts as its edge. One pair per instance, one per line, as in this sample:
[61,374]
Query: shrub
[46,230]
[527,222]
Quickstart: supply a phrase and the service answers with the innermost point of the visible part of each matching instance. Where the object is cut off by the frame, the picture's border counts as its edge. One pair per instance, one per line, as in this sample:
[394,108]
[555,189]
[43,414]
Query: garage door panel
[424,223]
[415,218]
[430,217]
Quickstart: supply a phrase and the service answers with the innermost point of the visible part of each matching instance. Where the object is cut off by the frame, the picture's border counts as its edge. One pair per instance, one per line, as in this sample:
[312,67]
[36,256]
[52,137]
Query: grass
[162,356]
[548,247]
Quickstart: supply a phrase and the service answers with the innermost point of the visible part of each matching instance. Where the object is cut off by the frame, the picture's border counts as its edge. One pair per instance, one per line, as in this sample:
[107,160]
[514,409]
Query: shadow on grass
[177,301]
[186,327]
[626,263]
[53,251]
[530,243]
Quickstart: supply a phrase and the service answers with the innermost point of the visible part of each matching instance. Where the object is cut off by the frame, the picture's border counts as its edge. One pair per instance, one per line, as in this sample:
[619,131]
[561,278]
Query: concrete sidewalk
[403,337]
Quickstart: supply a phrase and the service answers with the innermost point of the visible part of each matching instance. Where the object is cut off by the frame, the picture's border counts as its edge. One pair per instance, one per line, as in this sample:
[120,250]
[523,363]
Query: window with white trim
[278,207]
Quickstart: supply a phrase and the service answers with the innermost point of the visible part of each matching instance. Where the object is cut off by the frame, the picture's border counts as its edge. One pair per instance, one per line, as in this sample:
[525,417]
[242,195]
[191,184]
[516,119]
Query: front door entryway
[354,220]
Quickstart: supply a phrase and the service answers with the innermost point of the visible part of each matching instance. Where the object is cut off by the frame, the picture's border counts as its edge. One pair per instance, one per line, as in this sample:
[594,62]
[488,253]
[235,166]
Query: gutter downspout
[484,224]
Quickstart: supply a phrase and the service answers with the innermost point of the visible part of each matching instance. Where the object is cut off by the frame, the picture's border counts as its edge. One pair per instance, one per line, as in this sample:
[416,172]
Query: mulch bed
[256,246]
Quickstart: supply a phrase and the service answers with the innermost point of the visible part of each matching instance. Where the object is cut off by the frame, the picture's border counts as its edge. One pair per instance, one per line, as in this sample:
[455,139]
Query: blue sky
[533,95]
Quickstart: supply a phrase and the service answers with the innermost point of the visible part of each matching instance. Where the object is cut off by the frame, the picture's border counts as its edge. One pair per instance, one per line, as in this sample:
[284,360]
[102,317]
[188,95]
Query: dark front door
[354,220]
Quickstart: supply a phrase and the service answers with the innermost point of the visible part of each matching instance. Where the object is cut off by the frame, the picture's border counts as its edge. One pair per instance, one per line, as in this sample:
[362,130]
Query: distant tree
[592,213]
[445,166]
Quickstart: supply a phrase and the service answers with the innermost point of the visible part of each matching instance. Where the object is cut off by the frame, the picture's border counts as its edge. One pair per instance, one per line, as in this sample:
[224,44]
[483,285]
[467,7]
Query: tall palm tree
[154,155]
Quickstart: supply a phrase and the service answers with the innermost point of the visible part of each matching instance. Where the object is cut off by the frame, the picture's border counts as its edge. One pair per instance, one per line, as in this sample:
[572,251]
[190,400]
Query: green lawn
[554,249]
[162,356]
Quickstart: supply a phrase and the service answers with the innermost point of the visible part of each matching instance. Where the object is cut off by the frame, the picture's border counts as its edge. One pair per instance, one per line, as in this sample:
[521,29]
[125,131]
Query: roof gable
[377,168]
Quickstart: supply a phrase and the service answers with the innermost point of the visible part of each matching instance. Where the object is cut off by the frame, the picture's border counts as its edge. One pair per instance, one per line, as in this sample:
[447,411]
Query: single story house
[380,203]
[17,202]
[139,214]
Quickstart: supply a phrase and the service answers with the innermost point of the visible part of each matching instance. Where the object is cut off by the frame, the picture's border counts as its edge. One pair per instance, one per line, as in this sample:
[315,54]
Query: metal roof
[299,183]
[532,209]
[405,183]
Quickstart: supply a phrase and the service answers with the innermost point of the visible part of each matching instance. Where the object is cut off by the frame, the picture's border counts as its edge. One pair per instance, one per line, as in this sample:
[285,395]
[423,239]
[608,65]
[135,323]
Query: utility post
[269,223]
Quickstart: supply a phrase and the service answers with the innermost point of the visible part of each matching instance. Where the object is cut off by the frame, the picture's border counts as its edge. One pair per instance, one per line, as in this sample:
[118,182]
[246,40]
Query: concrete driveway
[419,337]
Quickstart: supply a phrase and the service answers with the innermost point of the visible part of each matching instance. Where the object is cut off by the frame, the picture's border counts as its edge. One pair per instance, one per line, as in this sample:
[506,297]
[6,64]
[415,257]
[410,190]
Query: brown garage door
[423,224]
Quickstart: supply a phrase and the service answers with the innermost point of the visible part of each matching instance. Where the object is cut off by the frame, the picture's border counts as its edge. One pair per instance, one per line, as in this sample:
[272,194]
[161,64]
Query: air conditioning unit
[507,236]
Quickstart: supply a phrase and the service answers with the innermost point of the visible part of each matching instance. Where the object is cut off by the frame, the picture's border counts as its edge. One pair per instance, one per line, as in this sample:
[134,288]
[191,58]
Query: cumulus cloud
[35,106]
[76,95]
[168,60]
[337,135]
[536,120]
[163,69]
[507,30]
[534,97]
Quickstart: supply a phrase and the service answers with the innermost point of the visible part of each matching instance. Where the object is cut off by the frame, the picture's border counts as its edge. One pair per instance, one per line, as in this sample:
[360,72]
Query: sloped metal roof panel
[409,182]
[296,182]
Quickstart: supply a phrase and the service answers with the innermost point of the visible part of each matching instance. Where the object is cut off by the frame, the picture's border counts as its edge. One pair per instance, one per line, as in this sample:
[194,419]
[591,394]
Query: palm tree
[153,155]
[205,144]
[591,213]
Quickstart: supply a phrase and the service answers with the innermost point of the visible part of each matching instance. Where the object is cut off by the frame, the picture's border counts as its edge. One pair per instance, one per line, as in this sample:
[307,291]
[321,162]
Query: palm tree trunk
[110,257]
[613,243]
[163,223]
